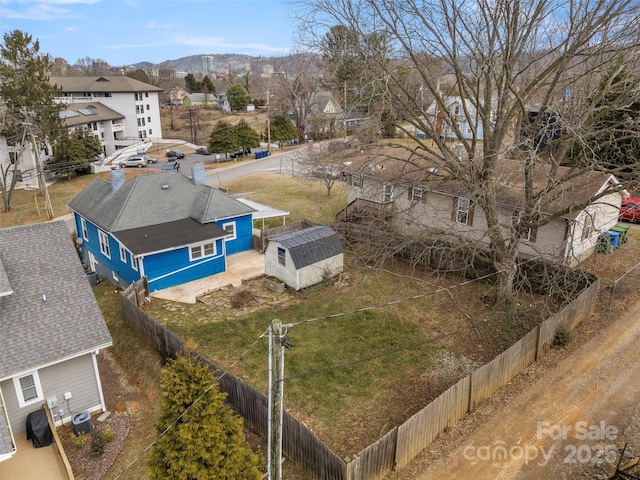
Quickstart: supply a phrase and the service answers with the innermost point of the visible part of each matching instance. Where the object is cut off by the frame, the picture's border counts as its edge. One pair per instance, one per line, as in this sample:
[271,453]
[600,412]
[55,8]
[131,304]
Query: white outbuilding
[304,258]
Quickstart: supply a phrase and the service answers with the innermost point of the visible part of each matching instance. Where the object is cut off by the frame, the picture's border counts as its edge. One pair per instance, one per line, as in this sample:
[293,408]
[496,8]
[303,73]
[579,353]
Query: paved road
[218,173]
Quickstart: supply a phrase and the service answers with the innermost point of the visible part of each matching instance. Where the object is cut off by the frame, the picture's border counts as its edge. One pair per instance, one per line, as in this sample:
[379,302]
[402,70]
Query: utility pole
[42,183]
[345,109]
[268,126]
[191,124]
[277,336]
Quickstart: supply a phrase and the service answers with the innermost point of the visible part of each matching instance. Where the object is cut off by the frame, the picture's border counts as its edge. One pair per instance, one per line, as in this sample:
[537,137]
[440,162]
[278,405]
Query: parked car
[135,161]
[240,153]
[146,157]
[175,154]
[203,151]
[171,165]
[630,209]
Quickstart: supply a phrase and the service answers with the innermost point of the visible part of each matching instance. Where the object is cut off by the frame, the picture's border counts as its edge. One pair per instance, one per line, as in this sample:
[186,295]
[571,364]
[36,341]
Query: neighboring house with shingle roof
[414,196]
[51,329]
[200,99]
[137,102]
[325,116]
[305,257]
[162,226]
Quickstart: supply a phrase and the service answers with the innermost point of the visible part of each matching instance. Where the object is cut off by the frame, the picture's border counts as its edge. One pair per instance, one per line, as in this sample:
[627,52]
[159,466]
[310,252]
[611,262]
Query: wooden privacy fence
[261,237]
[403,443]
[299,444]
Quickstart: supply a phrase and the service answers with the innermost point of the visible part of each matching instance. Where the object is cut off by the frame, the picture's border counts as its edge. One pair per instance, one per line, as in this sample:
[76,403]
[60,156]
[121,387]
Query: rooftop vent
[165,187]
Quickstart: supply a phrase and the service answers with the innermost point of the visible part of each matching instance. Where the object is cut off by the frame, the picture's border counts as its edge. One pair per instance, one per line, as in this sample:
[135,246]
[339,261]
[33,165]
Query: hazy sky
[123,32]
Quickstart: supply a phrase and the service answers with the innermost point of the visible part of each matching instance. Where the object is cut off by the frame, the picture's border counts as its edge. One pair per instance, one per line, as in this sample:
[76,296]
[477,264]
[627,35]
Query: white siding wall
[298,279]
[75,376]
[606,212]
[436,212]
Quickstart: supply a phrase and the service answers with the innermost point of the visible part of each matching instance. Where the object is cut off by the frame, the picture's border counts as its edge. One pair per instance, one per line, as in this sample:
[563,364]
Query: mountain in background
[221,63]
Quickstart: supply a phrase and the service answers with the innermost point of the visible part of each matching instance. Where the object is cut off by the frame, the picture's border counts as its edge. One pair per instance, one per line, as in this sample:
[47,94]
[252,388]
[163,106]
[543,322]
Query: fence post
[613,291]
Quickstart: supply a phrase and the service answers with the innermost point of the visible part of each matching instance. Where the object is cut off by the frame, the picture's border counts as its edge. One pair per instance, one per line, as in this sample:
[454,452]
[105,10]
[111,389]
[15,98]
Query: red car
[630,209]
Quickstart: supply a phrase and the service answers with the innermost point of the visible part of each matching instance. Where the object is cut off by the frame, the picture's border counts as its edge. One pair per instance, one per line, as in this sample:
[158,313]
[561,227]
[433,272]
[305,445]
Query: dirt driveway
[563,418]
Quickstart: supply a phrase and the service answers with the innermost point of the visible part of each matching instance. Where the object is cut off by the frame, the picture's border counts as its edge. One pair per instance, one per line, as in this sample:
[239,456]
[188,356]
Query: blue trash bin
[614,238]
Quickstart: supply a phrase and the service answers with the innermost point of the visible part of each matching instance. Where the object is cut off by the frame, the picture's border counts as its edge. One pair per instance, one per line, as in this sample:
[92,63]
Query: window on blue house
[230,228]
[123,254]
[85,232]
[203,250]
[104,244]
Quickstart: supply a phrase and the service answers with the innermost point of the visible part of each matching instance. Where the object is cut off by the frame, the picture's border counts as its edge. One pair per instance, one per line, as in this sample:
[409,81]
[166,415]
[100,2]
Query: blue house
[163,226]
[457,114]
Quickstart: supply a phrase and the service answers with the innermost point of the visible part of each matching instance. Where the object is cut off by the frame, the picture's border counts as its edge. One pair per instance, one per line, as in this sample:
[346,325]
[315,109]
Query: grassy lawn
[304,199]
[350,377]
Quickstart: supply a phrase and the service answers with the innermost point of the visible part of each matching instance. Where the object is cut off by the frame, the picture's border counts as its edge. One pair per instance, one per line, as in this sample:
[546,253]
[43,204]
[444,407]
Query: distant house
[51,330]
[137,103]
[304,258]
[421,198]
[223,101]
[325,116]
[200,99]
[457,113]
[162,226]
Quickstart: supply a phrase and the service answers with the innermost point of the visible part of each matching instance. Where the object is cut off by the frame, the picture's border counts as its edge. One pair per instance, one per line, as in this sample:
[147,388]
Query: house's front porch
[29,463]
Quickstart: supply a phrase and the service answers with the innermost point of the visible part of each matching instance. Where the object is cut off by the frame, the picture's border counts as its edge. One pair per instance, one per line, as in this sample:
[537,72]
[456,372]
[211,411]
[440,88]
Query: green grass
[364,368]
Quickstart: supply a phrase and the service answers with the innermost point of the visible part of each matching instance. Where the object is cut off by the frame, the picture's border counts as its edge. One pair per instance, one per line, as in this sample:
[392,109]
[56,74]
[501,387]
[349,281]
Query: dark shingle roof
[155,238]
[153,199]
[311,245]
[52,314]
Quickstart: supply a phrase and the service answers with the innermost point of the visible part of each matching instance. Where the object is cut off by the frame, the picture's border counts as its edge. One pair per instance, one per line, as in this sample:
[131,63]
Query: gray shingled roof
[100,113]
[311,245]
[153,199]
[40,260]
[104,84]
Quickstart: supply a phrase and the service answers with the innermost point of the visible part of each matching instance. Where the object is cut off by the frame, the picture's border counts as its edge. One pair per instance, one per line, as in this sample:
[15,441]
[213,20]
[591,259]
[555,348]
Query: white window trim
[234,235]
[105,249]
[417,194]
[387,192]
[36,380]
[85,232]
[123,253]
[462,211]
[202,254]
[134,263]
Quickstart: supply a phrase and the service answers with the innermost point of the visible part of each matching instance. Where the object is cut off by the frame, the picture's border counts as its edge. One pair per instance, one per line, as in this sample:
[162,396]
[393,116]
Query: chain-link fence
[626,285]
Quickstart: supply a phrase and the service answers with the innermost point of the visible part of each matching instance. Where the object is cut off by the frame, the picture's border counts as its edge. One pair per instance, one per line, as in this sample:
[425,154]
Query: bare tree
[536,63]
[93,66]
[295,92]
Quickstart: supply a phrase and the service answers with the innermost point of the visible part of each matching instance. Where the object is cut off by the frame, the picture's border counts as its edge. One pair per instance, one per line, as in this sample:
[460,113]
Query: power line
[373,357]
[172,424]
[393,302]
[302,322]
